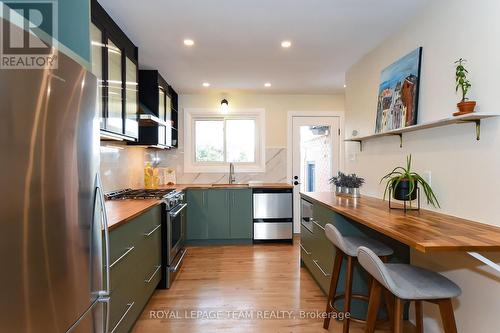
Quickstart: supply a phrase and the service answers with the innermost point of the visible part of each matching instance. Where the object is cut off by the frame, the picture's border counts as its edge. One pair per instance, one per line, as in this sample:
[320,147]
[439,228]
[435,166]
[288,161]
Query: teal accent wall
[74,28]
[73,33]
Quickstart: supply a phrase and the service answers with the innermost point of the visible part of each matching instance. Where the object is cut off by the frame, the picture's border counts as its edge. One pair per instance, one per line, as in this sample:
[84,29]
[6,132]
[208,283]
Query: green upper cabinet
[240,213]
[197,215]
[218,214]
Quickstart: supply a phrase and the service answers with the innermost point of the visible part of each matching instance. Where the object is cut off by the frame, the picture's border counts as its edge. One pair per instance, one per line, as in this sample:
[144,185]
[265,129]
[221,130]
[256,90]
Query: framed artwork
[397,105]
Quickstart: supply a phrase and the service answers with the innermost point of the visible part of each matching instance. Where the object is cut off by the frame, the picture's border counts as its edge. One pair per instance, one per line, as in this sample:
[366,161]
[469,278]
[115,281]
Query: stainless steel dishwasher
[272,214]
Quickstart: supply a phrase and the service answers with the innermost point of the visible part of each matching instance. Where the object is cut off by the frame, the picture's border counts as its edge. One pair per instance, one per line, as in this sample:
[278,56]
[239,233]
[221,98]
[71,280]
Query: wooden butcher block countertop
[121,211]
[422,230]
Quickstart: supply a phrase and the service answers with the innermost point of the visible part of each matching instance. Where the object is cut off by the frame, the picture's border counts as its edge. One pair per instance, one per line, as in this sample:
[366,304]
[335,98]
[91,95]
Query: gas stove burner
[137,194]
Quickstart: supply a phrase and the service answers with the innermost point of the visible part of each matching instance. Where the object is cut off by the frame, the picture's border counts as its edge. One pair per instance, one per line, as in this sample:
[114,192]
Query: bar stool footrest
[358,297]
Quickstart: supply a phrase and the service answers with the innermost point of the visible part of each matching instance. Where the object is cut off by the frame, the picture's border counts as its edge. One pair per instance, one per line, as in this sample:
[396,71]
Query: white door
[315,157]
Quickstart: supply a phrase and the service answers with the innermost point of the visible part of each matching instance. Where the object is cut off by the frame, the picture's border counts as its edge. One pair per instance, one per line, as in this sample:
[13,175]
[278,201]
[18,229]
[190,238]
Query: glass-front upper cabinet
[131,105]
[114,62]
[161,103]
[168,119]
[114,83]
[97,50]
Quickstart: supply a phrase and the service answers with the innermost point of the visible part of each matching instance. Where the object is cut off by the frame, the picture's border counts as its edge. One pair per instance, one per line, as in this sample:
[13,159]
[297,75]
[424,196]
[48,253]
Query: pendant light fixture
[224,106]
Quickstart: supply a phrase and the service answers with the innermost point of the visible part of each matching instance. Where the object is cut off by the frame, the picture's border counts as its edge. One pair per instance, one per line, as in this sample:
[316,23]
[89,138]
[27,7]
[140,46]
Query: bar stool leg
[447,316]
[333,286]
[348,293]
[419,317]
[373,305]
[389,303]
[398,315]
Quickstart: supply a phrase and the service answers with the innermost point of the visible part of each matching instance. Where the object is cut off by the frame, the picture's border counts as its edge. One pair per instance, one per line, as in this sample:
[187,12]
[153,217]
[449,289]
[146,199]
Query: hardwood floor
[244,281]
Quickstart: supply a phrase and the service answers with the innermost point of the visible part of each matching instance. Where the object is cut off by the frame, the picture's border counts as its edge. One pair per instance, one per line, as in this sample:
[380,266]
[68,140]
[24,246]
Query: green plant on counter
[461,78]
[343,180]
[402,174]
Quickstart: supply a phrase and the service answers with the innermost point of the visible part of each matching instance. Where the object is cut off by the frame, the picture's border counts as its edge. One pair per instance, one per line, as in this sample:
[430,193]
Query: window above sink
[213,140]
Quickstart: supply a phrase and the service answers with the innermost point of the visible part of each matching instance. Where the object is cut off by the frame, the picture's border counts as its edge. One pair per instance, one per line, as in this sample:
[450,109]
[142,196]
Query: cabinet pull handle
[129,306]
[147,234]
[129,249]
[153,275]
[317,224]
[321,269]
[303,248]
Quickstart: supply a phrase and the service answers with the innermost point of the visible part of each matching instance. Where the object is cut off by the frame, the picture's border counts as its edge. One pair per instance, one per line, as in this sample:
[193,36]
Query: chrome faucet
[232,178]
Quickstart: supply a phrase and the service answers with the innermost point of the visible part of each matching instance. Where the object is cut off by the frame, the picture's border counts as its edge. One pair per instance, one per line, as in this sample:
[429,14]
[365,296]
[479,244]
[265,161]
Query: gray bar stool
[347,246]
[408,283]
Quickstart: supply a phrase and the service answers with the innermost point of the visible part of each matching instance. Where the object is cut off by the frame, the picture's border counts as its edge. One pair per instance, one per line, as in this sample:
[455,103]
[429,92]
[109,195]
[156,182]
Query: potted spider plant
[403,183]
[465,105]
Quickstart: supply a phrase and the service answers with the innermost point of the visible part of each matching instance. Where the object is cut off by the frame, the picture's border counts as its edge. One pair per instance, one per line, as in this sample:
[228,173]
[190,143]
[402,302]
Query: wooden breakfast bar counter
[422,230]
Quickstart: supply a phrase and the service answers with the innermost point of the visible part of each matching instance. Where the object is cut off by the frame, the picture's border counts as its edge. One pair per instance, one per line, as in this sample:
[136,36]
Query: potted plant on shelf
[464,106]
[347,184]
[403,184]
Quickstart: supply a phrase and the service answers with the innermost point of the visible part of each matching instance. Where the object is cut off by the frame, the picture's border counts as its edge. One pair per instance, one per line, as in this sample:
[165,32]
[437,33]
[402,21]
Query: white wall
[276,107]
[463,170]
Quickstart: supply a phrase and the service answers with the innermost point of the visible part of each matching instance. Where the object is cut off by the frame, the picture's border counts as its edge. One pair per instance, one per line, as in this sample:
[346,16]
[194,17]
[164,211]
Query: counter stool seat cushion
[414,282]
[407,281]
[350,244]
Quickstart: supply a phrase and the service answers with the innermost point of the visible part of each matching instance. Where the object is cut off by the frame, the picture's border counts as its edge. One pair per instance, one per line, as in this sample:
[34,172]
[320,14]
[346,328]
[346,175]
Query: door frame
[289,151]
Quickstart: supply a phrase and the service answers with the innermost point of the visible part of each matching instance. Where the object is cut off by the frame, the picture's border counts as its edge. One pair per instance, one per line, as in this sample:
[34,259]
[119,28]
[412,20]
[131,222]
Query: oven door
[175,231]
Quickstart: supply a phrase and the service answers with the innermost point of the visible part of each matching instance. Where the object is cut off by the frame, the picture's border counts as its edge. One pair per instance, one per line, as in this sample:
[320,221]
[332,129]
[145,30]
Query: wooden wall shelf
[475,117]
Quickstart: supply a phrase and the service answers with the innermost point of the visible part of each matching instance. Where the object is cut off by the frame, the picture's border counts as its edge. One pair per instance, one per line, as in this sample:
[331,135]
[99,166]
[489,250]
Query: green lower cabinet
[135,253]
[197,214]
[219,215]
[240,214]
[323,256]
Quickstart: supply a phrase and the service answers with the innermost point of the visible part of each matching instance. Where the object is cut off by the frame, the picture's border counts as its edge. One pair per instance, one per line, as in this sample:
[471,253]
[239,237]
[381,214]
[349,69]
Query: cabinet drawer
[272,230]
[123,312]
[323,251]
[306,241]
[149,268]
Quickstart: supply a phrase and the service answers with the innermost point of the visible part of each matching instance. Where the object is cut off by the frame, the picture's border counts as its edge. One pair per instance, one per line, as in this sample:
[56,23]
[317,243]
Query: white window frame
[191,115]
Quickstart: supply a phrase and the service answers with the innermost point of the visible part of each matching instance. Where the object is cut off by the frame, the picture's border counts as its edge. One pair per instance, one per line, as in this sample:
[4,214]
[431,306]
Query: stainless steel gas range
[173,227]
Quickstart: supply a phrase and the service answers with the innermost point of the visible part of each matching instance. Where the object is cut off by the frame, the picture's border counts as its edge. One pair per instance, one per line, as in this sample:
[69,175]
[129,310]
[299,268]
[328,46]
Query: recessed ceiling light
[267,84]
[286,44]
[188,42]
[206,84]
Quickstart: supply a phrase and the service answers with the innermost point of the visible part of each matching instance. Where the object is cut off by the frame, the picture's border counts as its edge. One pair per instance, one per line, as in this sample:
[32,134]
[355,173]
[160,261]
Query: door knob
[296,183]
[295,177]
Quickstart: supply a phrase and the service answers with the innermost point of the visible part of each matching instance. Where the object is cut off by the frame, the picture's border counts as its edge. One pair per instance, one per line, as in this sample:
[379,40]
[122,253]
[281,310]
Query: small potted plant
[403,183]
[353,183]
[347,184]
[464,106]
[338,181]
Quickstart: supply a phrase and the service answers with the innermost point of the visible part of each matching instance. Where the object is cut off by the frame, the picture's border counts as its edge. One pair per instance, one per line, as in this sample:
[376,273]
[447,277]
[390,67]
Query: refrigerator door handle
[106,291]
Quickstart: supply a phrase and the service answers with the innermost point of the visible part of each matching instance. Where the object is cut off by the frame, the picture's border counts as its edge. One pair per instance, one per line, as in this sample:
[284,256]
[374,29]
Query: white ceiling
[237,42]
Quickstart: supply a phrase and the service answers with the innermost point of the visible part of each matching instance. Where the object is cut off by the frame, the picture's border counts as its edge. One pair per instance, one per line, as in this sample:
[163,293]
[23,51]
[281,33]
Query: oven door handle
[174,269]
[173,214]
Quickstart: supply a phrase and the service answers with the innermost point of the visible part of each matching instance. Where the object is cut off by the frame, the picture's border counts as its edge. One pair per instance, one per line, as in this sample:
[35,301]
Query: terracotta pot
[465,107]
[402,191]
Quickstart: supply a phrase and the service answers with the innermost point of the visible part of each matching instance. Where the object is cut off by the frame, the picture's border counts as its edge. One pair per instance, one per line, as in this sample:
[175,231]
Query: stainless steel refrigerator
[53,237]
